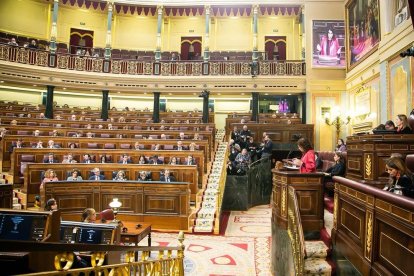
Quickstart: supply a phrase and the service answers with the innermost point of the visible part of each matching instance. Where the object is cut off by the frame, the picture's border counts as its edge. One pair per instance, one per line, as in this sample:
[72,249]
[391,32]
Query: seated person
[120,176]
[401,179]
[338,169]
[75,176]
[97,175]
[173,161]
[137,146]
[87,159]
[18,144]
[242,162]
[167,176]
[143,176]
[402,125]
[155,160]
[125,160]
[51,145]
[179,146]
[244,136]
[105,159]
[307,163]
[89,215]
[39,145]
[69,159]
[51,205]
[340,146]
[190,160]
[142,160]
[50,159]
[50,175]
[192,147]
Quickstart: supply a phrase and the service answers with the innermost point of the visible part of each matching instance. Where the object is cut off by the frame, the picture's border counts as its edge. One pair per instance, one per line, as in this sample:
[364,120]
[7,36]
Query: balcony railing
[137,67]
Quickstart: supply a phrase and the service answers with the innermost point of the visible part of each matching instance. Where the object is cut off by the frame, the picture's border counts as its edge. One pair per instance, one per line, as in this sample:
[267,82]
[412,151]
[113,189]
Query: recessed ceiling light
[266,94]
[290,94]
[242,94]
[1,81]
[170,94]
[64,88]
[118,92]
[34,84]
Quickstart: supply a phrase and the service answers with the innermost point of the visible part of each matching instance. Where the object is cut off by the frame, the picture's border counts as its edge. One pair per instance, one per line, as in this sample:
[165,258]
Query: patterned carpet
[244,250]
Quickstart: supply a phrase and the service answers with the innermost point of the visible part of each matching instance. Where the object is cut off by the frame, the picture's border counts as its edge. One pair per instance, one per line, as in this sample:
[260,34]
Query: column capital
[160,9]
[110,6]
[255,8]
[56,1]
[207,9]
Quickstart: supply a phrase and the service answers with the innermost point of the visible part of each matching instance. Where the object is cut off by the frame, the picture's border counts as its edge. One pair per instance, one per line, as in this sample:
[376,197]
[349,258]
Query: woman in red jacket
[307,163]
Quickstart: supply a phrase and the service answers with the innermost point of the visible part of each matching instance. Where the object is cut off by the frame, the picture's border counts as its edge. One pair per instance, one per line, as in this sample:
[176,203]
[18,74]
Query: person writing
[307,163]
[401,179]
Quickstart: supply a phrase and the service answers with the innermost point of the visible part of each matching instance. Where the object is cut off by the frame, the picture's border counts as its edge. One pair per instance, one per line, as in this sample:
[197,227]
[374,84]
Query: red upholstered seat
[125,146]
[92,145]
[107,214]
[409,161]
[109,146]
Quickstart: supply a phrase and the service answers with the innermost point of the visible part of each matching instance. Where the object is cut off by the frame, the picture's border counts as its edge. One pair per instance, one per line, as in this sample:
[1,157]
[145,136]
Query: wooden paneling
[165,205]
[6,196]
[373,229]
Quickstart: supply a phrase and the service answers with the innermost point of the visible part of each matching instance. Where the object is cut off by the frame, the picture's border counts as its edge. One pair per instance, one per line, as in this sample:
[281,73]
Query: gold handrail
[295,232]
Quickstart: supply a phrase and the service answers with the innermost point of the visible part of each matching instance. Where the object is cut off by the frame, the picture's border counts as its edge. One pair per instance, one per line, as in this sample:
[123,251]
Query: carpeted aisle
[244,249]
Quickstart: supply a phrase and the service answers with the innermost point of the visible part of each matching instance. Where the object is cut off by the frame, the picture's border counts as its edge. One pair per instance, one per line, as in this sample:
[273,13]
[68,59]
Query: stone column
[255,107]
[53,32]
[156,112]
[105,105]
[159,28]
[49,102]
[207,35]
[255,47]
[109,31]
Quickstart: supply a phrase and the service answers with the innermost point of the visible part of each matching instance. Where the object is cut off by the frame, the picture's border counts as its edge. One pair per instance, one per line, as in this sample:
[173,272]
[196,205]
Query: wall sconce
[115,206]
[337,120]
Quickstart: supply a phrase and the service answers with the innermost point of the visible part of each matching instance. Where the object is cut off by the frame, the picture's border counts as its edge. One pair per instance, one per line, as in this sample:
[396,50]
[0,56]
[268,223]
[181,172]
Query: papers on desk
[291,167]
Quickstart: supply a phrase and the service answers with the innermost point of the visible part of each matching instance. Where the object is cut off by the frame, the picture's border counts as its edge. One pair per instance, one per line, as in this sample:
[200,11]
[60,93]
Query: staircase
[208,205]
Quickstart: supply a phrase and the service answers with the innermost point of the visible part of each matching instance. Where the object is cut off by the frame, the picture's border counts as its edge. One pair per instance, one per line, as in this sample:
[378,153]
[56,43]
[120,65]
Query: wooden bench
[95,143]
[33,173]
[164,205]
[274,121]
[26,155]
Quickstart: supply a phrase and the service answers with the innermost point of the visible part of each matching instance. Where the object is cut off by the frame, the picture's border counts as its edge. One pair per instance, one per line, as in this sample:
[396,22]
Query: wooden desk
[309,192]
[134,234]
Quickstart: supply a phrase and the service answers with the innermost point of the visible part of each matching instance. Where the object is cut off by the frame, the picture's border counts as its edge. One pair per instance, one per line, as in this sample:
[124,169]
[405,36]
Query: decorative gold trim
[67,258]
[81,35]
[97,259]
[369,232]
[368,166]
[283,202]
[335,214]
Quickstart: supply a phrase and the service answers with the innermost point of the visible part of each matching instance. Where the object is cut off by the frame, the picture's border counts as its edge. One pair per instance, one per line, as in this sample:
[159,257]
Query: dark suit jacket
[338,169]
[101,177]
[158,162]
[172,178]
[47,161]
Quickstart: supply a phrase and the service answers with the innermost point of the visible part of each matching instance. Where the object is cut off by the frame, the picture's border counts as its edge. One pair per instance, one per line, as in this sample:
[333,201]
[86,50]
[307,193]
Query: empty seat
[22,132]
[92,145]
[137,127]
[105,135]
[125,146]
[31,123]
[109,146]
[75,125]
[153,136]
[138,136]
[168,147]
[44,124]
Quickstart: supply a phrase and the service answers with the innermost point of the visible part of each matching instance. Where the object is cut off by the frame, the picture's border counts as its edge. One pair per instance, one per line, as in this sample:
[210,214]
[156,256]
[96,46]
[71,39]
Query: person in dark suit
[403,127]
[267,147]
[155,161]
[167,177]
[18,144]
[87,159]
[97,175]
[50,159]
[180,146]
[190,160]
[125,160]
[338,169]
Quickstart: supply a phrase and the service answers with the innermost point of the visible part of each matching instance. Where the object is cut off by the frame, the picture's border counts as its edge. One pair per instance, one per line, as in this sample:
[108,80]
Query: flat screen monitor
[80,232]
[24,227]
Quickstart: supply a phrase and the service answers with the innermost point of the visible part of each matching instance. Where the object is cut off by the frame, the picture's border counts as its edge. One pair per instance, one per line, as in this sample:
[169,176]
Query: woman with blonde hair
[89,215]
[402,125]
[50,175]
[120,176]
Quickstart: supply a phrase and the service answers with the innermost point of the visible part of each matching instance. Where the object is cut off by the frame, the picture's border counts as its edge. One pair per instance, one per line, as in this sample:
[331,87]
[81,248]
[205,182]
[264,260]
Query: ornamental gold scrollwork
[369,235]
[97,259]
[65,258]
[368,166]
[283,201]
